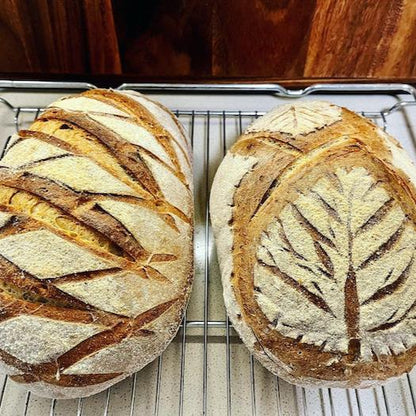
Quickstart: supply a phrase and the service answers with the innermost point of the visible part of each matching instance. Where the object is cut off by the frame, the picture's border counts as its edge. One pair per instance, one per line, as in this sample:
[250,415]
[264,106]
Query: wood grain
[276,39]
[42,30]
[261,37]
[213,39]
[357,39]
[58,36]
[103,50]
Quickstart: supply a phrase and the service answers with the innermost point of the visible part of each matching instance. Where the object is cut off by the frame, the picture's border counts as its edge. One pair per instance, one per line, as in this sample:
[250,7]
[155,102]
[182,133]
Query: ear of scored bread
[96,229]
[313,211]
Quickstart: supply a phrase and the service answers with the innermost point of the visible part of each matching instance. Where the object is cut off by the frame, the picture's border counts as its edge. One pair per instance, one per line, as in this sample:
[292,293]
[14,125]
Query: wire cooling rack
[207,370]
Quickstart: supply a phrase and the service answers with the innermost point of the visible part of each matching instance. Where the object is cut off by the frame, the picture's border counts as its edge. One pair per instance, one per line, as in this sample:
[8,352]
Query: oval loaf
[96,226]
[313,210]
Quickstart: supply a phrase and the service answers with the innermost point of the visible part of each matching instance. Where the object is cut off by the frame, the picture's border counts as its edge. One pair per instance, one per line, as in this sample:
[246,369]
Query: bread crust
[309,208]
[96,248]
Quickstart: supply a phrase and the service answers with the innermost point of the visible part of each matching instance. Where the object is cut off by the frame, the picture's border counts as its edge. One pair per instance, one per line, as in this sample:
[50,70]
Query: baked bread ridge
[284,282]
[96,242]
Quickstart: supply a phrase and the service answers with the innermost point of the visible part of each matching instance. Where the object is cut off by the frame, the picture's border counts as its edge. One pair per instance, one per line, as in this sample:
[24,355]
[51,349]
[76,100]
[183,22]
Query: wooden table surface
[210,39]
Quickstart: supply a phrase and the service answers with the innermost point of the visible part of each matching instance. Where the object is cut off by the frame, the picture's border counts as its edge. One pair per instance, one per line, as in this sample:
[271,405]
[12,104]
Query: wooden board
[284,39]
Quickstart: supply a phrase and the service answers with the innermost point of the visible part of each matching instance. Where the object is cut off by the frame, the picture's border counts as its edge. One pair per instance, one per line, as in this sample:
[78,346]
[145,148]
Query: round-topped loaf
[314,213]
[96,226]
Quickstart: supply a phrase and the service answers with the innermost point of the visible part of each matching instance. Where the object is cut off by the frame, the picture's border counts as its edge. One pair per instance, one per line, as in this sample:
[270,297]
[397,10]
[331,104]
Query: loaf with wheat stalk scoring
[96,226]
[314,215]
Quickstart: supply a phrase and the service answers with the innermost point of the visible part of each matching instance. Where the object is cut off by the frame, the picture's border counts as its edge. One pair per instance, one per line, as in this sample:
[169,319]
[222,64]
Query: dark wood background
[208,39]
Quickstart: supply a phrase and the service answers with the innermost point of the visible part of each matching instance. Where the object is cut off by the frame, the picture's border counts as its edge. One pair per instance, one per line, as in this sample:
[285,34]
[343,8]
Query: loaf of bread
[313,210]
[96,216]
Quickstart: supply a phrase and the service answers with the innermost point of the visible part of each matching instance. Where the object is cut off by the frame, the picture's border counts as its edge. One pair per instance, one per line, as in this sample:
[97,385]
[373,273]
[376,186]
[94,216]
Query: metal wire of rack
[185,380]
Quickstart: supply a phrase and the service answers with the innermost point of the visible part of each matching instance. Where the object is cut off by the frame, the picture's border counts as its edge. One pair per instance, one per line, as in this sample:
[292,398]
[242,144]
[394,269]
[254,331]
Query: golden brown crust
[85,227]
[279,226]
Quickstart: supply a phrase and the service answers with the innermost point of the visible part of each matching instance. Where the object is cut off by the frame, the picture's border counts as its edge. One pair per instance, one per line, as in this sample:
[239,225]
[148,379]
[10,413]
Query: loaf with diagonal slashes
[314,214]
[96,226]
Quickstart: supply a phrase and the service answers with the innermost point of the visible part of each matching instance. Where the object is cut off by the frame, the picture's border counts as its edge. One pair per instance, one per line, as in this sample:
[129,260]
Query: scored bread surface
[96,226]
[313,210]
